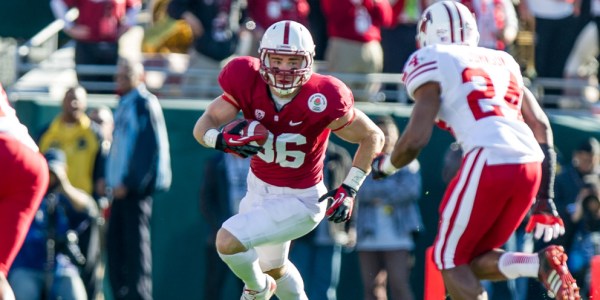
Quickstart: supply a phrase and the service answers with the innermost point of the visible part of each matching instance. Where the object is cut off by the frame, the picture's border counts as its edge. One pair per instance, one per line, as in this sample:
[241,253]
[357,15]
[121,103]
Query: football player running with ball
[286,196]
[508,165]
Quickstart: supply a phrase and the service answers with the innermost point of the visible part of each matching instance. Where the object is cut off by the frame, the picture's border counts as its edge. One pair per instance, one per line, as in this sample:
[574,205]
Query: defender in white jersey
[508,165]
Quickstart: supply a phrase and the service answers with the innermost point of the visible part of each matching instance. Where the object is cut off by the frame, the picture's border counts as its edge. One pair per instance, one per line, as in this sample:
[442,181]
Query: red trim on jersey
[451,22]
[286,33]
[421,66]
[230,100]
[347,123]
[426,67]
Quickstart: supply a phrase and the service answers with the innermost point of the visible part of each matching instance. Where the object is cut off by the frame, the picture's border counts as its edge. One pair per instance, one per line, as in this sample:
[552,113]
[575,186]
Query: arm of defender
[417,133]
[544,216]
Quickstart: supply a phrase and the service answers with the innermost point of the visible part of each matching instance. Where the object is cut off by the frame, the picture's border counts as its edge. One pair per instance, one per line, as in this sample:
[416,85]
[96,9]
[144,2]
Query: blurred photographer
[48,265]
[585,215]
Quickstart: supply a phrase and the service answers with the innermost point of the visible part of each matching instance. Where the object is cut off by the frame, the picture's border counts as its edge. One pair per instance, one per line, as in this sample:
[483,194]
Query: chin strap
[284,92]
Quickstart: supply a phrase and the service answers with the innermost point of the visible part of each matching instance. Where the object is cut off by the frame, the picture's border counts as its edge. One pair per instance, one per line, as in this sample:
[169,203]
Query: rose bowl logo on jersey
[317,102]
[259,114]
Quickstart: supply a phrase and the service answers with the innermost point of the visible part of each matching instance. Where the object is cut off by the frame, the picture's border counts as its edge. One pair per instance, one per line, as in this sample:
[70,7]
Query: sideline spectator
[138,166]
[23,182]
[585,161]
[387,224]
[223,187]
[398,40]
[556,29]
[497,22]
[265,13]
[318,255]
[354,46]
[96,33]
[164,34]
[81,140]
[47,267]
[586,219]
[215,26]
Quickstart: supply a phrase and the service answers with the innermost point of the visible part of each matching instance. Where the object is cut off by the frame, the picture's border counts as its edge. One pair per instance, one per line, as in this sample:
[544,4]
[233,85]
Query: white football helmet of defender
[447,22]
[286,38]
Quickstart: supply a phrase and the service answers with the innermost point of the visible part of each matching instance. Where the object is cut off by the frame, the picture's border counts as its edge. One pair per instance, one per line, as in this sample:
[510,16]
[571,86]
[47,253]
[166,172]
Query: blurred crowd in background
[551,39]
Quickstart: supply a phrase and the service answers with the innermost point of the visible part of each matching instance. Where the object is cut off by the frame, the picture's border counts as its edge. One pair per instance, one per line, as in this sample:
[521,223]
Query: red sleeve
[397,10]
[380,11]
[342,99]
[133,3]
[236,74]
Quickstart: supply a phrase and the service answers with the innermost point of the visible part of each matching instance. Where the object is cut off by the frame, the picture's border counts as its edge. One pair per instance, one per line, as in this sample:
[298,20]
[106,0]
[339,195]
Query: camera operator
[585,215]
[48,265]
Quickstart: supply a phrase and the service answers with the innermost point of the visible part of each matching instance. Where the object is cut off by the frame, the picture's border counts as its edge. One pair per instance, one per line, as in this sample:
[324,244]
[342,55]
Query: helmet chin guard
[286,38]
[447,22]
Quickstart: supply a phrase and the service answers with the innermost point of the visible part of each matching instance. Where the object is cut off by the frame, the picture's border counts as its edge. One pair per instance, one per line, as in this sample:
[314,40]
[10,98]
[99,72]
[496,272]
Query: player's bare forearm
[536,119]
[367,135]
[420,126]
[217,113]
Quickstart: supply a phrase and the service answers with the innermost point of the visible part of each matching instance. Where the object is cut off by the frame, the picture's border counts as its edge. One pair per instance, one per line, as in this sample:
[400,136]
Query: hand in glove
[231,141]
[341,202]
[545,219]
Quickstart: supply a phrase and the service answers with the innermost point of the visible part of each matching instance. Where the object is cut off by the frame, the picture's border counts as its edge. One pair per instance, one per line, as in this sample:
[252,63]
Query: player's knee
[277,272]
[228,244]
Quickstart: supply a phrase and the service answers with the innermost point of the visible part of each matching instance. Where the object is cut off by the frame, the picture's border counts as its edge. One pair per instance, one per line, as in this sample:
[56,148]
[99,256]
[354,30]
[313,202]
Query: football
[253,128]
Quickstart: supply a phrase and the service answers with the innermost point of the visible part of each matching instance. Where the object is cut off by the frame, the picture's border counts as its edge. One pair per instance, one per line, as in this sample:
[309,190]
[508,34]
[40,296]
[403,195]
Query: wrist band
[355,178]
[387,167]
[210,137]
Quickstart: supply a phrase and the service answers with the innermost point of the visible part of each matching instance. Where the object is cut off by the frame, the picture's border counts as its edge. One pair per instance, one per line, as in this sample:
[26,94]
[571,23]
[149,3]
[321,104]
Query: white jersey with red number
[481,94]
[293,155]
[10,124]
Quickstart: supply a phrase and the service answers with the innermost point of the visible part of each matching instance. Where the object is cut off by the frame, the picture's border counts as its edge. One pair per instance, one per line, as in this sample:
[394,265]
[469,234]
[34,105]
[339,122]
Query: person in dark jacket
[215,26]
[138,165]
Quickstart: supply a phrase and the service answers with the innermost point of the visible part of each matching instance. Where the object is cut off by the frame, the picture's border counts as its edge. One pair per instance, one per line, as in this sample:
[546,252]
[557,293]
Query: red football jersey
[293,155]
[102,17]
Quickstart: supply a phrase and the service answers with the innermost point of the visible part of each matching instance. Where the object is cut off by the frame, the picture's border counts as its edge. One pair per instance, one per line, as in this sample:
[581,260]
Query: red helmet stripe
[451,22]
[460,21]
[286,33]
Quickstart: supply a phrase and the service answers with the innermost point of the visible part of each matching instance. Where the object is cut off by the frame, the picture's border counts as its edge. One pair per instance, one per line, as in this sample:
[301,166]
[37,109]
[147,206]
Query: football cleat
[265,294]
[555,275]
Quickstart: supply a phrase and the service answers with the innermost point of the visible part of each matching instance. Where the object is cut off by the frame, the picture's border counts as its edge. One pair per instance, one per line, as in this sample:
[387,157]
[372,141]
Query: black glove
[233,142]
[341,202]
[377,167]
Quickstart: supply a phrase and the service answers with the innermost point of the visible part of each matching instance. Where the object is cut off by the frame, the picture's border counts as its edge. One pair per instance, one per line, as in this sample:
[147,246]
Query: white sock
[290,286]
[245,266]
[514,265]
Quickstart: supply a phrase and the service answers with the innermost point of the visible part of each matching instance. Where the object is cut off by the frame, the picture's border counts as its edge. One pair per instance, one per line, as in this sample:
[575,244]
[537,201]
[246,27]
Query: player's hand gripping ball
[249,131]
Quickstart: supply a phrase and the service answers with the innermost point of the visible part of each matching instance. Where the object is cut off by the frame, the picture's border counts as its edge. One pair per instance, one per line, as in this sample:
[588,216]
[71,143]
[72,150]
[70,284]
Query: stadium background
[177,226]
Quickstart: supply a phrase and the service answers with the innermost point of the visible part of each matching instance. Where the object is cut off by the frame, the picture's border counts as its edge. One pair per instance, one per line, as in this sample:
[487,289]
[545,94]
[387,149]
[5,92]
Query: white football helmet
[286,38]
[447,22]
